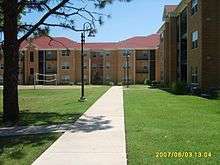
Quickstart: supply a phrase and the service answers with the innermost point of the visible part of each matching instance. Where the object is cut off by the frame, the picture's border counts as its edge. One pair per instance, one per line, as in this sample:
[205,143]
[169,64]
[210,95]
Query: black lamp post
[128,66]
[127,56]
[87,27]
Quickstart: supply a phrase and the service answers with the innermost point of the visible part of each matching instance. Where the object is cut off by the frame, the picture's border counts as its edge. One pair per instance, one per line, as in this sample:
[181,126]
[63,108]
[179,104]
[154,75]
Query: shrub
[111,83]
[147,82]
[162,85]
[213,93]
[120,83]
[155,84]
[179,88]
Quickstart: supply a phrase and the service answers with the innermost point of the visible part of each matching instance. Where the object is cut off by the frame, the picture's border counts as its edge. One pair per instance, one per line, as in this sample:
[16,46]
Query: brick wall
[194,56]
[210,43]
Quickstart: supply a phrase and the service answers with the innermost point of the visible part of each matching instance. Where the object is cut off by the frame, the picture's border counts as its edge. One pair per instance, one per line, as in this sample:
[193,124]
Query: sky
[136,18]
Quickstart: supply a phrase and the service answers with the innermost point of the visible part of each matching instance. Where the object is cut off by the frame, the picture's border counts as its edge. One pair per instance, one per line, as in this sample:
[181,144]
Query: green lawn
[54,106]
[157,121]
[23,150]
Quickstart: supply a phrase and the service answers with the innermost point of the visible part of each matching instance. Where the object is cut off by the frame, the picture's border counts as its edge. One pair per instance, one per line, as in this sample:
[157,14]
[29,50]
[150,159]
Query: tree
[15,32]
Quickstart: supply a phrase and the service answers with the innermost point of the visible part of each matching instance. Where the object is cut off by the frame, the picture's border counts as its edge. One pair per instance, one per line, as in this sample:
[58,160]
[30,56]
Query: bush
[111,83]
[147,82]
[120,83]
[213,93]
[155,84]
[163,85]
[179,88]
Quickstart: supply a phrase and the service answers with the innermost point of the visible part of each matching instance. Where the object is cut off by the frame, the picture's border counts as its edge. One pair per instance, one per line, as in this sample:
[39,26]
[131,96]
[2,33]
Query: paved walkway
[97,138]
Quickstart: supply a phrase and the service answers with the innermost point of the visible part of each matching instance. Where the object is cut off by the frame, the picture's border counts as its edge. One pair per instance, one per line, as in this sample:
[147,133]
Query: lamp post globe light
[87,27]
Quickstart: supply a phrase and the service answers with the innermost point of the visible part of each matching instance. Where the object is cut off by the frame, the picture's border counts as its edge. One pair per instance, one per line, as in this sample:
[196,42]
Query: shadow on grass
[18,147]
[205,95]
[85,124]
[44,118]
[169,90]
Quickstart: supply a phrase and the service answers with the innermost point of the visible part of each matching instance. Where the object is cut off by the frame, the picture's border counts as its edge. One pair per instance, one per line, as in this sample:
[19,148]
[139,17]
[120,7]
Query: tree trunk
[11,56]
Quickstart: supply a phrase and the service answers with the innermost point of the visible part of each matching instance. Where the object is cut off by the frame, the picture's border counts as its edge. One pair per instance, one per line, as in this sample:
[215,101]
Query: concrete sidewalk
[97,138]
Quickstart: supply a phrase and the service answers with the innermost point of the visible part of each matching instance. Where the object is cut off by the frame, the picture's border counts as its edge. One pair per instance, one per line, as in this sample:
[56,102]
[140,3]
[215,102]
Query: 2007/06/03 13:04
[183,154]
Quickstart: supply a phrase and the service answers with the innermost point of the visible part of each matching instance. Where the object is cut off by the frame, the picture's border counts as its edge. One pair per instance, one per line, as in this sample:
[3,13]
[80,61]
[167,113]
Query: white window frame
[195,38]
[194,6]
[194,3]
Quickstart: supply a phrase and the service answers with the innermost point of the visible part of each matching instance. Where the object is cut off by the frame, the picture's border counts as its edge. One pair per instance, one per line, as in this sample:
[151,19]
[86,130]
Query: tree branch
[53,10]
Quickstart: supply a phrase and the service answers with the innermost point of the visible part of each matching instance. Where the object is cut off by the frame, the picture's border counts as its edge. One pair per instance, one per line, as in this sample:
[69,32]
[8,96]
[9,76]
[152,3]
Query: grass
[53,106]
[158,121]
[23,150]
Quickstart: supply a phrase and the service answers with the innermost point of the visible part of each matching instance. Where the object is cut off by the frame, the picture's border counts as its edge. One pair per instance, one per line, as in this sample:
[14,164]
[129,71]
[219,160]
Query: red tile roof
[99,46]
[141,42]
[46,43]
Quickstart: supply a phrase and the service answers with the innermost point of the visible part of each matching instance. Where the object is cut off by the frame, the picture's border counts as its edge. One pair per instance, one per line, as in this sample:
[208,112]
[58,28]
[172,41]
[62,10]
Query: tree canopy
[66,13]
[16,29]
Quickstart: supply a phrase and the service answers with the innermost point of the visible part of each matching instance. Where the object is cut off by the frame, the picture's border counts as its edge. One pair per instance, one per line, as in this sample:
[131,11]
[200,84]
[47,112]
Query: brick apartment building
[186,49]
[189,47]
[103,62]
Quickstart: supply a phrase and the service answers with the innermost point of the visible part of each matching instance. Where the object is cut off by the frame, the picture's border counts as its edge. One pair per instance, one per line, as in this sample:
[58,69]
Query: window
[51,55]
[1,66]
[85,77]
[194,7]
[31,71]
[31,56]
[85,66]
[65,66]
[49,67]
[195,36]
[107,54]
[94,65]
[65,53]
[194,73]
[65,77]
[146,53]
